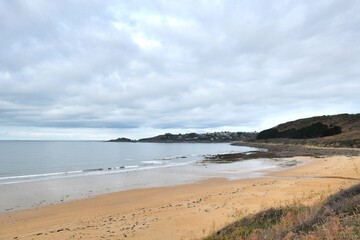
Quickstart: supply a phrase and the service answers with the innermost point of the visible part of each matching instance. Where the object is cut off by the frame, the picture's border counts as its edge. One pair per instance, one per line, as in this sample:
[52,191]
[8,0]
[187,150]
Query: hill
[197,137]
[341,130]
[216,137]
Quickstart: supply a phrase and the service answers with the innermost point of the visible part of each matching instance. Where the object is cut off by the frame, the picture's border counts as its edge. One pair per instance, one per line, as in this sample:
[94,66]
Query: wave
[152,162]
[173,157]
[85,172]
[40,175]
[145,164]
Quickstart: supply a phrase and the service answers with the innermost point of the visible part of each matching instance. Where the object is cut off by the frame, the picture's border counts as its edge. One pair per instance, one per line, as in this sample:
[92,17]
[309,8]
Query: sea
[24,161]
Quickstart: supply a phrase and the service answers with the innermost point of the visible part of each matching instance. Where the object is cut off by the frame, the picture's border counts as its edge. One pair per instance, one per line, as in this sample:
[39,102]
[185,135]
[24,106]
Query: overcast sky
[89,69]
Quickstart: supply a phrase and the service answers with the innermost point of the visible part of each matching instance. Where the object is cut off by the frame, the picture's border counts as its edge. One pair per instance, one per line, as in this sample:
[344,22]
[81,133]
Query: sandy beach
[188,211]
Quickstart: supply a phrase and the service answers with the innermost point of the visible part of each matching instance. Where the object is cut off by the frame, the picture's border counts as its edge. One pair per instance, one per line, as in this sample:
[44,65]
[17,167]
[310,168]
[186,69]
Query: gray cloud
[176,65]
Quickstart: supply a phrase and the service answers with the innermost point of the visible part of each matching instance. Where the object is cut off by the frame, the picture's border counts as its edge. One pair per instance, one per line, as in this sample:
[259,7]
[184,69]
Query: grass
[337,217]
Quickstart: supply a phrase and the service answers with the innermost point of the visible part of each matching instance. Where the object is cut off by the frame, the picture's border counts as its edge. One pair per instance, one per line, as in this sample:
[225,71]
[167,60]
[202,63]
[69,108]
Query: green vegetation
[314,130]
[338,217]
[342,130]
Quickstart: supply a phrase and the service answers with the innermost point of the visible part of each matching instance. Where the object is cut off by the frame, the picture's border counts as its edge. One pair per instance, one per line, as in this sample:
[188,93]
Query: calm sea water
[35,160]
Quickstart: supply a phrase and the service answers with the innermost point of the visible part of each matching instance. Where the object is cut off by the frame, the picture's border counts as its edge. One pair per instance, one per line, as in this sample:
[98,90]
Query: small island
[122,139]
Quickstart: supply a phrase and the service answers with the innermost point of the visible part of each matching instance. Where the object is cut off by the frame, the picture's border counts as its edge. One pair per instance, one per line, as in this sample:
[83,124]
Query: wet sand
[25,195]
[187,211]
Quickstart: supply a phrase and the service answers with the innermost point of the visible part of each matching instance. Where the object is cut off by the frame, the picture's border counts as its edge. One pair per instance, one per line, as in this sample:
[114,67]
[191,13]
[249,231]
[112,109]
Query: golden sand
[181,212]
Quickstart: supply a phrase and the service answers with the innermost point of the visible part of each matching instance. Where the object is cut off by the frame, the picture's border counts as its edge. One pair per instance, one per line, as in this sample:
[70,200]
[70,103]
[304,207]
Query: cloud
[176,65]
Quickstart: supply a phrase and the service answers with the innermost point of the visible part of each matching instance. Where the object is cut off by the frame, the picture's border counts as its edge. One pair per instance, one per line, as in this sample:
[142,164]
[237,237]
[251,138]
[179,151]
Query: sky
[96,70]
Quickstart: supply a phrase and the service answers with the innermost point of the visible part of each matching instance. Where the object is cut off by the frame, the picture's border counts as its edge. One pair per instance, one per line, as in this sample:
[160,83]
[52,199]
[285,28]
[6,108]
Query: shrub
[315,130]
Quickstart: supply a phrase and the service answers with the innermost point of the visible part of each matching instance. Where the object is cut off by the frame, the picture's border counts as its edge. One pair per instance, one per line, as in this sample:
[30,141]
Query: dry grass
[337,217]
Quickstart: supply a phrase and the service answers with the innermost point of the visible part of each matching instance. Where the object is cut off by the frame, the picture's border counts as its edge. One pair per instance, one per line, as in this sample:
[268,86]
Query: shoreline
[105,158]
[292,150]
[34,194]
[169,212]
